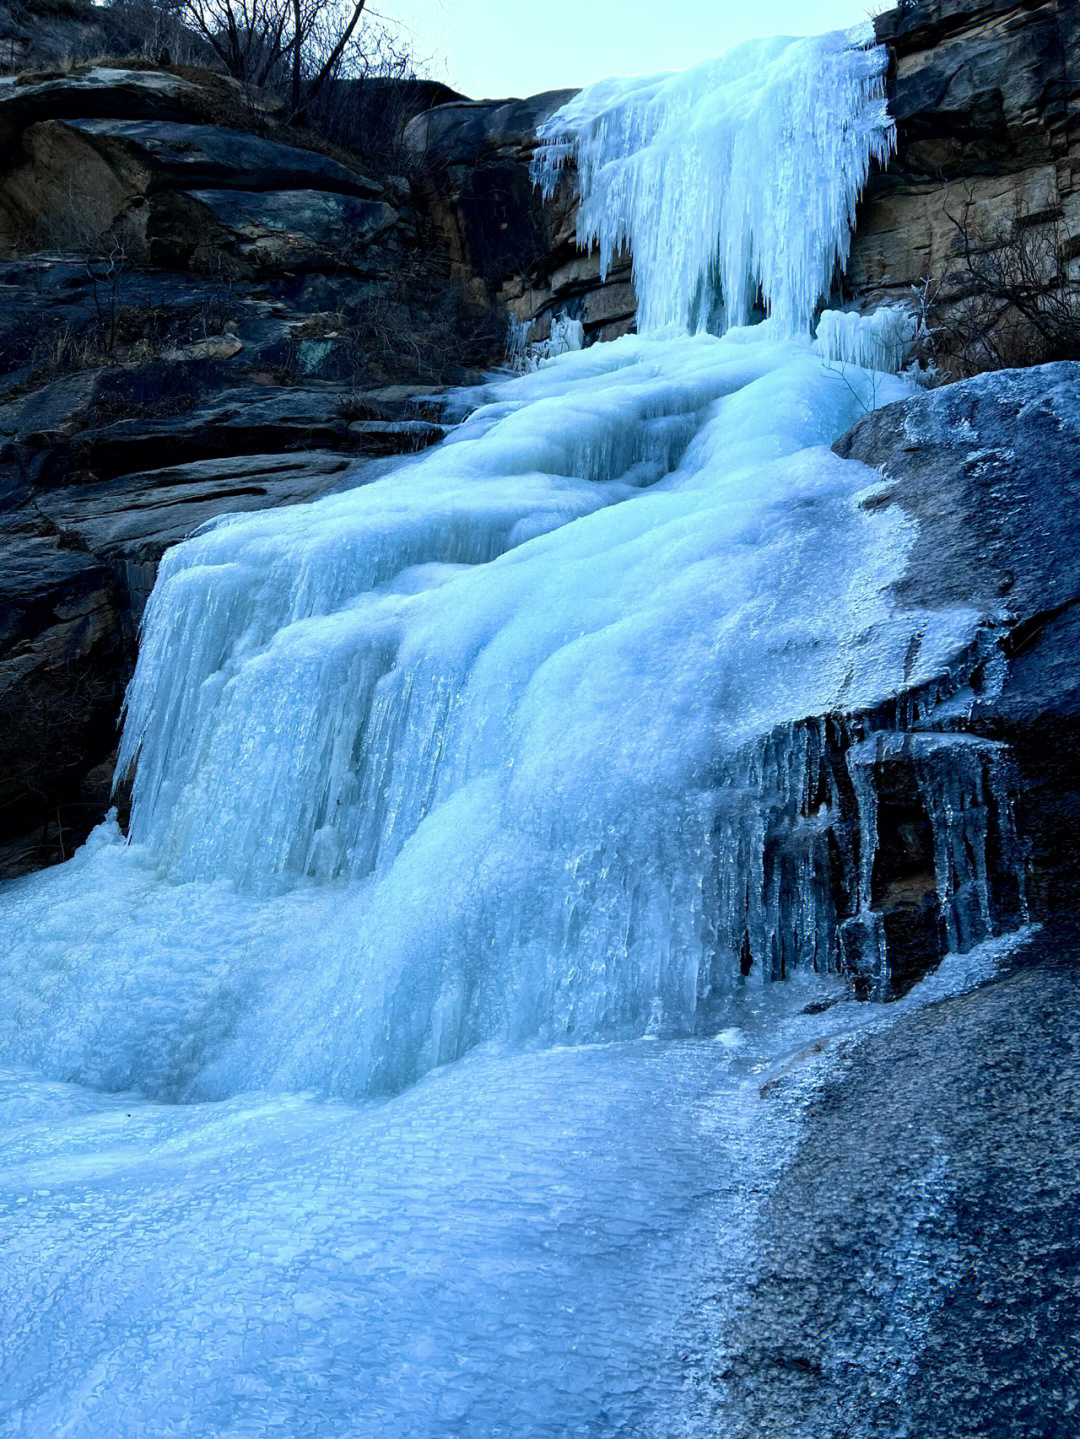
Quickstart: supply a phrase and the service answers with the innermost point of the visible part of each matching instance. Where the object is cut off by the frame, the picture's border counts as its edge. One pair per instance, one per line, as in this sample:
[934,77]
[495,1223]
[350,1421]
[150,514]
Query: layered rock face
[986,95]
[518,253]
[988,470]
[195,318]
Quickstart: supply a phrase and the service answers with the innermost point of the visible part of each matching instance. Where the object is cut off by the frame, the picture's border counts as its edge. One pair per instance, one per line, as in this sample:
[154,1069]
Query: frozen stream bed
[521,1244]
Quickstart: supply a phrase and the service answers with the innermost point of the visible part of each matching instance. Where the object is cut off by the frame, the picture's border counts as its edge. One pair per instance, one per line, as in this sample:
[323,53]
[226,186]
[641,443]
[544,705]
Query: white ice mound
[882,340]
[736,178]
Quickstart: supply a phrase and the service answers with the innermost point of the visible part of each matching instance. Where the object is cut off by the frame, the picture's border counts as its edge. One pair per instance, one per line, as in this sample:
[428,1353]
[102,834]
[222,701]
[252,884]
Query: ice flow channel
[475,757]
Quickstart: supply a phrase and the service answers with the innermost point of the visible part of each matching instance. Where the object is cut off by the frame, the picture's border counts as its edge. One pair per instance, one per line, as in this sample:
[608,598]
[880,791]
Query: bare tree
[1018,304]
[294,46]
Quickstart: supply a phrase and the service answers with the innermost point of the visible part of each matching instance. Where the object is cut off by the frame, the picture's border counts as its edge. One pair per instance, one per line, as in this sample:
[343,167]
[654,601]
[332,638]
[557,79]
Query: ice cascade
[514,742]
[735,180]
[586,725]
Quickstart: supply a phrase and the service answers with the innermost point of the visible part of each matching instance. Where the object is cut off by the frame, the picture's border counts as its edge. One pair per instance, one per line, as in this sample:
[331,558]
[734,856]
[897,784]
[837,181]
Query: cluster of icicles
[503,744]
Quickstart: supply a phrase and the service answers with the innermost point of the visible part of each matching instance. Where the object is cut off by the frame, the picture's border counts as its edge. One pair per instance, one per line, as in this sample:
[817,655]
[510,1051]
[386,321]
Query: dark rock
[98,424]
[989,470]
[42,33]
[134,518]
[153,155]
[470,131]
[76,567]
[100,92]
[269,231]
[83,179]
[916,1270]
[246,421]
[51,306]
[517,248]
[62,675]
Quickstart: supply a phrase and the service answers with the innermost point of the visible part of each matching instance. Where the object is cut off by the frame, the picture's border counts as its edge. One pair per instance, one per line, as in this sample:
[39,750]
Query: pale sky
[494,48]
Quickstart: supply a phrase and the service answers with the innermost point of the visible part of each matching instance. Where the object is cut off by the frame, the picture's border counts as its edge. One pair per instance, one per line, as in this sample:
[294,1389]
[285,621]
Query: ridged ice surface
[516,1248]
[881,340]
[735,179]
[398,1074]
[484,750]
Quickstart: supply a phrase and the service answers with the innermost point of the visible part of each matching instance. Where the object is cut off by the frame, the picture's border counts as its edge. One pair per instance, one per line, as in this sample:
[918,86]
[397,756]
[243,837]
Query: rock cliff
[986,95]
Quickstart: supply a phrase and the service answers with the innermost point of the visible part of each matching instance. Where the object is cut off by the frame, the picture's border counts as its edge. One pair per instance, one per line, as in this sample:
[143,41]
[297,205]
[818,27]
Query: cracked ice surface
[519,1246]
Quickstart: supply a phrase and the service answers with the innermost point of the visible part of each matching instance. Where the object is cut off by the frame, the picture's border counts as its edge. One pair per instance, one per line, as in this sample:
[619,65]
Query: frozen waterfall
[488,749]
[735,180]
[518,748]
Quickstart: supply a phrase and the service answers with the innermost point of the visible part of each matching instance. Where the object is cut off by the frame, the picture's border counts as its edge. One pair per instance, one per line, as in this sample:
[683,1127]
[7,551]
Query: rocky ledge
[988,473]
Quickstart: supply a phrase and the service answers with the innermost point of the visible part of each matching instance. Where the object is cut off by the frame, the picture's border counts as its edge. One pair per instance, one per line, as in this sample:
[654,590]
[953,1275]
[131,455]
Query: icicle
[881,340]
[524,353]
[738,177]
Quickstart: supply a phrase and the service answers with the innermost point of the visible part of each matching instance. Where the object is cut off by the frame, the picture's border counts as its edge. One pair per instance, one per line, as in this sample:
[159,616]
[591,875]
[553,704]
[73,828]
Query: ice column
[735,180]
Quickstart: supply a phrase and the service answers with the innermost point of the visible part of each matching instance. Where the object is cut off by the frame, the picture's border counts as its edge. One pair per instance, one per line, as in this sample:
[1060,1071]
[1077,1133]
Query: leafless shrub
[1018,304]
[395,338]
[123,326]
[324,67]
[365,107]
[292,46]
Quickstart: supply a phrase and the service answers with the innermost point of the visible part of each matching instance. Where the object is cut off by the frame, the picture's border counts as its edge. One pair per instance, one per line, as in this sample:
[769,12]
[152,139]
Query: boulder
[988,471]
[99,92]
[467,132]
[270,231]
[83,179]
[154,155]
